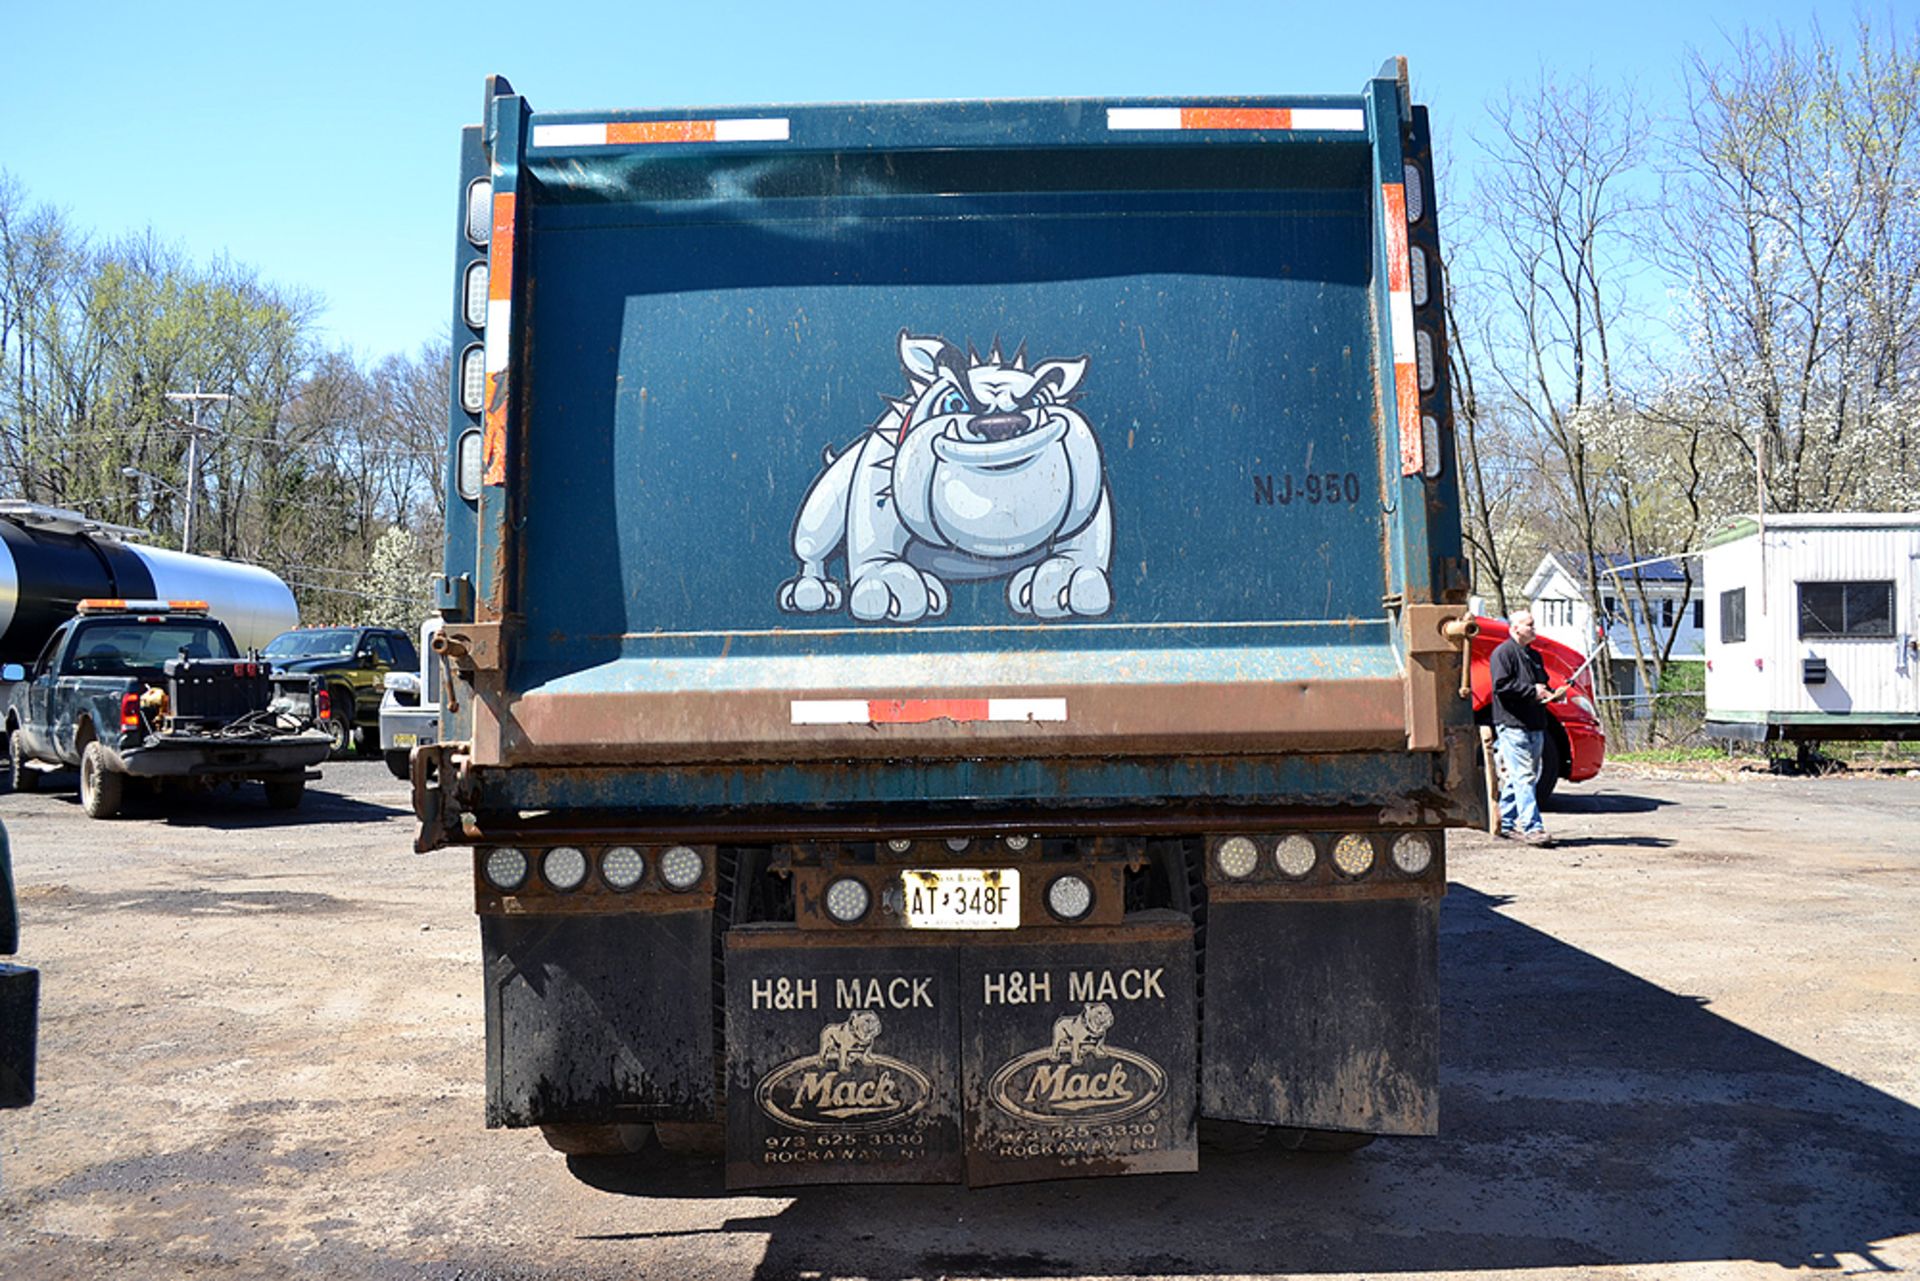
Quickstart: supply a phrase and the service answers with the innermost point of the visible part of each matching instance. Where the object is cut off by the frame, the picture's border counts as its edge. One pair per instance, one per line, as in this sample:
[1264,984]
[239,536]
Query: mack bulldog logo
[983,470]
[1079,1077]
[846,1086]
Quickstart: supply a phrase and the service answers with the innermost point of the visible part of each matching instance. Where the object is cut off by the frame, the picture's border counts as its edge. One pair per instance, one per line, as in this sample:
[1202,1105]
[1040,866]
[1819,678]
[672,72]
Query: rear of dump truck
[952,625]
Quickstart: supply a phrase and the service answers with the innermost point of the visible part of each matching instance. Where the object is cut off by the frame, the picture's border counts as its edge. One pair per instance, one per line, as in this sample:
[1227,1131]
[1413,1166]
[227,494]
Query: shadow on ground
[225,806]
[1588,1117]
[1565,802]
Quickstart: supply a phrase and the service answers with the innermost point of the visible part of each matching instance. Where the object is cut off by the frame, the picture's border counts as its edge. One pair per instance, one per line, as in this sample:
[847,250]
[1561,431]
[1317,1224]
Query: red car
[1576,746]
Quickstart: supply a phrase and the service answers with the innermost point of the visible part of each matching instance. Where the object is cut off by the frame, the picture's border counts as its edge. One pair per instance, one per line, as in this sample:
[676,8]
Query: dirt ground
[1680,1044]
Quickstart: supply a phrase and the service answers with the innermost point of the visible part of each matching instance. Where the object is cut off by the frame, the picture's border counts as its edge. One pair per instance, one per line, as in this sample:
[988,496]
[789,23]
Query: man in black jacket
[1520,698]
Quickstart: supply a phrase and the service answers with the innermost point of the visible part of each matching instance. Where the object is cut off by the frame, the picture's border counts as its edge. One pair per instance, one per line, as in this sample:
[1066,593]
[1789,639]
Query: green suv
[351,663]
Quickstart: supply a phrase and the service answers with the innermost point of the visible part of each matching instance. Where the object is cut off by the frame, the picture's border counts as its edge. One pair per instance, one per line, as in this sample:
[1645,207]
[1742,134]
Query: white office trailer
[1814,627]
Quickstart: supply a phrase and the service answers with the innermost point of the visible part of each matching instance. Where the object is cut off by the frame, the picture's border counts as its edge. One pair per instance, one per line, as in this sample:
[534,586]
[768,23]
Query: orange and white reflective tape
[1406,369]
[641,133]
[499,318]
[921,711]
[1336,119]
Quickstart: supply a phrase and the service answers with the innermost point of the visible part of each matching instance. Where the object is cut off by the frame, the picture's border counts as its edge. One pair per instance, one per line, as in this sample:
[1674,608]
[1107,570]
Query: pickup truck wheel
[24,777]
[285,793]
[366,740]
[100,787]
[399,765]
[339,729]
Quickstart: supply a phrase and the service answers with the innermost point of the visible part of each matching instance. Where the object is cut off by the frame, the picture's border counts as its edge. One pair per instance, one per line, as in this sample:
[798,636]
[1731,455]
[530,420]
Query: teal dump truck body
[1032,524]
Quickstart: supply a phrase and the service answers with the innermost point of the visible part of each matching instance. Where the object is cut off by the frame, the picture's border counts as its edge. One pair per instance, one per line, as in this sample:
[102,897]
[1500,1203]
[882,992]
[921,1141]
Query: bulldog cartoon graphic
[983,470]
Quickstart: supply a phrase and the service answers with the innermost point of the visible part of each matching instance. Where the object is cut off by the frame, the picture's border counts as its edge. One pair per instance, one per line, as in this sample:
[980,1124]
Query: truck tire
[399,764]
[285,793]
[339,724]
[100,787]
[1320,1140]
[596,1140]
[25,778]
[366,740]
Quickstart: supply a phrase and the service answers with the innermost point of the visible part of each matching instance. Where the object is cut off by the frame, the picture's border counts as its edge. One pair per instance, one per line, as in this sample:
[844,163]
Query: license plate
[961,898]
[406,740]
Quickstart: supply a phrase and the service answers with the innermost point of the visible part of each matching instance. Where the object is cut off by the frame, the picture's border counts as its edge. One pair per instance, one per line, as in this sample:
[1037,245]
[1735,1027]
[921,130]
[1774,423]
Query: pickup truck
[410,707]
[158,690]
[351,664]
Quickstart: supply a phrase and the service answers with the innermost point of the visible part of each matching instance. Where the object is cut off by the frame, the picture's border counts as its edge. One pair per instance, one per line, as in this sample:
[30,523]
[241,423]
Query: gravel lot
[1682,1043]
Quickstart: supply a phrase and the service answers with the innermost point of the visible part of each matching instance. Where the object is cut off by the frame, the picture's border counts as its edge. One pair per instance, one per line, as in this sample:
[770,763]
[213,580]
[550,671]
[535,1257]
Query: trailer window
[1733,616]
[1846,609]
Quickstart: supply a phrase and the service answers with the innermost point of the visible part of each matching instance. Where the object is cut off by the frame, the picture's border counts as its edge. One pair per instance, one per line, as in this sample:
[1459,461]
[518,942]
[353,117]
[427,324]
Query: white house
[1816,627]
[1557,592]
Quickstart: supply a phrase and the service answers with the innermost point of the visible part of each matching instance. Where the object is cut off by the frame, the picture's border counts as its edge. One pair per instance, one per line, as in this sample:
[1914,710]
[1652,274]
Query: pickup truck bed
[105,696]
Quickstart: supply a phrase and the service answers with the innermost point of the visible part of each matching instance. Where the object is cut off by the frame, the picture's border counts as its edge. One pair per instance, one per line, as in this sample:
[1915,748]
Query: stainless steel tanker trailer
[51,559]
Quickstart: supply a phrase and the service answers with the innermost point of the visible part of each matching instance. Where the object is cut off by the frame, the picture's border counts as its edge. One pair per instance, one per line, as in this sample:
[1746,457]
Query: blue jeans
[1519,769]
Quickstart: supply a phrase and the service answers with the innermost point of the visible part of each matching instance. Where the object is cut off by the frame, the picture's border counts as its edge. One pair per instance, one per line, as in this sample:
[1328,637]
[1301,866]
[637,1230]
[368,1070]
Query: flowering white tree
[1792,210]
[396,589]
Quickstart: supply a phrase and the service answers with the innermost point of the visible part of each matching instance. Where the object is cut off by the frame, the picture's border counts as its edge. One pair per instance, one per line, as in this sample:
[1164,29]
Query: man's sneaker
[1538,838]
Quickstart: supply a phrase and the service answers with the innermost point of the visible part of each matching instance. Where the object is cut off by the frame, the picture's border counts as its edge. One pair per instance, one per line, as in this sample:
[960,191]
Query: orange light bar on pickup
[103,605]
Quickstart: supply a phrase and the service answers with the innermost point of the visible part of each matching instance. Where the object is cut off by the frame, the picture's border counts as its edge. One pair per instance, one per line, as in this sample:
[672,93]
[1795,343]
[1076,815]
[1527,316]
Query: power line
[283,443]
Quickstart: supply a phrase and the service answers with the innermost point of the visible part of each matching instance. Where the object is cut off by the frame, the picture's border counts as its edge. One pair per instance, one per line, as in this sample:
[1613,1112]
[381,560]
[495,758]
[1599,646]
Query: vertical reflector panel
[473,379]
[479,211]
[474,303]
[467,466]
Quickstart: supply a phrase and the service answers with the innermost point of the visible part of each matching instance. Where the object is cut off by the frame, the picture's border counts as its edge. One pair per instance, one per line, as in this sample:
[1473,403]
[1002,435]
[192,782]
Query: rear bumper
[195,756]
[398,723]
[940,1058]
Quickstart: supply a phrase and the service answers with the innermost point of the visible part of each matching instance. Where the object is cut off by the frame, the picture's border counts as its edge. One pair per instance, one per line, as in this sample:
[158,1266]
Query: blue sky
[317,143]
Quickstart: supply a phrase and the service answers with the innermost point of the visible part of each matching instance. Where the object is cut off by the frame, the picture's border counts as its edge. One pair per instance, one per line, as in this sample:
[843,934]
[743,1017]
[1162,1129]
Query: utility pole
[195,398]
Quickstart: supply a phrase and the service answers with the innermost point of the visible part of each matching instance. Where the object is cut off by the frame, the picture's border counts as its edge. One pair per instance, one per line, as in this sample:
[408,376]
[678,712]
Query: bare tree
[1557,208]
[307,469]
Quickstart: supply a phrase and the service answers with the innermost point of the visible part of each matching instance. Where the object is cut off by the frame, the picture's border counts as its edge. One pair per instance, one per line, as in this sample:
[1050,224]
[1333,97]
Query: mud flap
[1324,1015]
[1079,1054]
[599,1019]
[842,1062]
